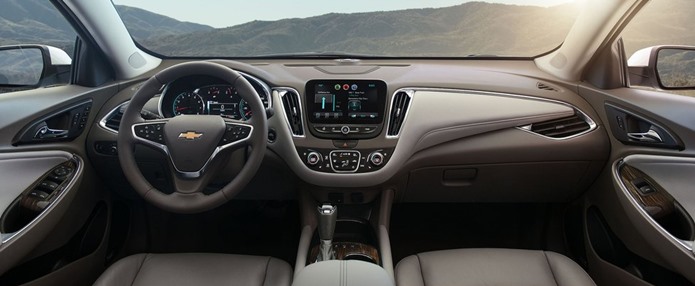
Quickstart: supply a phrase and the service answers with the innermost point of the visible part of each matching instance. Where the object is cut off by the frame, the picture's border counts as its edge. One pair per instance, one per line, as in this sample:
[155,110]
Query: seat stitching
[265,277]
[142,262]
[422,274]
[550,267]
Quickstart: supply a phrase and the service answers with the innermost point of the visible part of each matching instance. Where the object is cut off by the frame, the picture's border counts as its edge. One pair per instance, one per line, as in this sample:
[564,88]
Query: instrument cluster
[205,95]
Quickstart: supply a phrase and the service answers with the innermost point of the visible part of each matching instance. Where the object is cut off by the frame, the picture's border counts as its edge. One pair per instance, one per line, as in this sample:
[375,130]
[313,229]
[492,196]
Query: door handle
[47,133]
[650,136]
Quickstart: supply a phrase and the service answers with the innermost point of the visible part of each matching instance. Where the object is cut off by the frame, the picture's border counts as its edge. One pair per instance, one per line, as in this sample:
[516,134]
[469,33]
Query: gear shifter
[328,214]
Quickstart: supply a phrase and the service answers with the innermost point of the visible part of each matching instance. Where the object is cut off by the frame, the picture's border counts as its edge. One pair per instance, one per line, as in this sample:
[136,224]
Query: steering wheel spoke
[237,134]
[151,133]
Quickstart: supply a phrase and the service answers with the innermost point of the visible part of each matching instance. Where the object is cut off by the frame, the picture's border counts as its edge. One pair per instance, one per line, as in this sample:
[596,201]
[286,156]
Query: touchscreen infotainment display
[346,101]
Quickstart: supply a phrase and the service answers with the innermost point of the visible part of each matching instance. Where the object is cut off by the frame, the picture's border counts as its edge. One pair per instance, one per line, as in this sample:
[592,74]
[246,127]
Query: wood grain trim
[345,249]
[657,204]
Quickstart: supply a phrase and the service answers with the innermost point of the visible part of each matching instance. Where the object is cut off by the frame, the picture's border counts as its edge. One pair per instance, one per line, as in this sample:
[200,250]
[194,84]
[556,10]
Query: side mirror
[663,67]
[31,66]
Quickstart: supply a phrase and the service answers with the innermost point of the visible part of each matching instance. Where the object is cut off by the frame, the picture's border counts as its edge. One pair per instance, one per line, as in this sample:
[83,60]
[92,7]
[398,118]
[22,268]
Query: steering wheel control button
[313,158]
[345,160]
[234,133]
[152,132]
[376,158]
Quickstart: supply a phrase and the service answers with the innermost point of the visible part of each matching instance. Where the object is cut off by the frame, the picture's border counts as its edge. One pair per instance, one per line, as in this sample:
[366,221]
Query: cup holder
[350,251]
[352,240]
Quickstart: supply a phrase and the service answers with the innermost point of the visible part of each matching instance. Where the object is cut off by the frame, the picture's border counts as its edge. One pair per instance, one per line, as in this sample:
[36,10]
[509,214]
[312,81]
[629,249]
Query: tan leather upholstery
[196,269]
[464,267]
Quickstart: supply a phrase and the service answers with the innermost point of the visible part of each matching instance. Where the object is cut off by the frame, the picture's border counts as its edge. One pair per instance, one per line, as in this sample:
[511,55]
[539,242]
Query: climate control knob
[376,158]
[313,158]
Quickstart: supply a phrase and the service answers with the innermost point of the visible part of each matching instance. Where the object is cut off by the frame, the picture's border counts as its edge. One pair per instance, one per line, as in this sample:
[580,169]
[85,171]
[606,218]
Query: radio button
[368,129]
[322,128]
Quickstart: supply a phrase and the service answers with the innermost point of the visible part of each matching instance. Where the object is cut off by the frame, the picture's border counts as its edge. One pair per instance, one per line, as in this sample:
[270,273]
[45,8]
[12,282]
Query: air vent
[547,87]
[561,128]
[293,111]
[399,108]
[113,120]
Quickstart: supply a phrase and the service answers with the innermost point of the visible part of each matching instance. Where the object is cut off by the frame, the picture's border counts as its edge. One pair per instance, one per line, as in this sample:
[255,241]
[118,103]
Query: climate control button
[313,158]
[376,158]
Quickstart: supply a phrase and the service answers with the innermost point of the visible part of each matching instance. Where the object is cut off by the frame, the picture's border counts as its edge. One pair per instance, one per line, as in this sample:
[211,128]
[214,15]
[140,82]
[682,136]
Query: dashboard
[204,95]
[359,125]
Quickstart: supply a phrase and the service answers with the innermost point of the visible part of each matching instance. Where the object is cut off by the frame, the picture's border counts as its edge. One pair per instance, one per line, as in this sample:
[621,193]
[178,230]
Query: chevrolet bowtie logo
[190,135]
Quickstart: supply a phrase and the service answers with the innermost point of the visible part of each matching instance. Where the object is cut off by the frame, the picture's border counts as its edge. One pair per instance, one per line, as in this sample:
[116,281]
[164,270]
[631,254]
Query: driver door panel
[45,245]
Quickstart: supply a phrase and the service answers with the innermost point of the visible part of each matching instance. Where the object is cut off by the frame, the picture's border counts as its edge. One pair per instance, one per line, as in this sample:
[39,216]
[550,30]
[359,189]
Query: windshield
[358,28]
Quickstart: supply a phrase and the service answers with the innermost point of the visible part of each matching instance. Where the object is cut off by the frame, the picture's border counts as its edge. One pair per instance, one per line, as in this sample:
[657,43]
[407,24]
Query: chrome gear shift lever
[328,214]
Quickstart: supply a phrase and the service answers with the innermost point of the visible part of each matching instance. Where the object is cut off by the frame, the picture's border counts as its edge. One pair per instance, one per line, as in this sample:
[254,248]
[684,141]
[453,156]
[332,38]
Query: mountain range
[452,31]
[37,21]
[472,28]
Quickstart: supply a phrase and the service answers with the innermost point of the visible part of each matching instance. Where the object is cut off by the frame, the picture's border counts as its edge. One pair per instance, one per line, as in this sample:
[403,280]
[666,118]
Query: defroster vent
[293,111]
[399,109]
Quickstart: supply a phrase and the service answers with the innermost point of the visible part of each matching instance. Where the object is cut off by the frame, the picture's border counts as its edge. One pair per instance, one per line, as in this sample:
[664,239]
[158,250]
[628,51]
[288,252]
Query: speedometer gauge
[188,103]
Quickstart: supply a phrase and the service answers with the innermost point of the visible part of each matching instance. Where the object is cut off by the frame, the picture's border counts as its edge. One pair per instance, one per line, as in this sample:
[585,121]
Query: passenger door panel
[644,193]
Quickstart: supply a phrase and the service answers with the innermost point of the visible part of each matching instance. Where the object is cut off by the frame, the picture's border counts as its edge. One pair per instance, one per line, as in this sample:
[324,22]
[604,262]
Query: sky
[225,13]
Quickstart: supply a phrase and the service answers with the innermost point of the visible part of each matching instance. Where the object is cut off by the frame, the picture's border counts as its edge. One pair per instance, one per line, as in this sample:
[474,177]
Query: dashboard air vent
[561,128]
[113,119]
[399,108]
[544,86]
[293,111]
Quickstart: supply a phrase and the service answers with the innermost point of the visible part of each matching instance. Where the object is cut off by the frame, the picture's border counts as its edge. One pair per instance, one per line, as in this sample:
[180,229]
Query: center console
[344,248]
[344,112]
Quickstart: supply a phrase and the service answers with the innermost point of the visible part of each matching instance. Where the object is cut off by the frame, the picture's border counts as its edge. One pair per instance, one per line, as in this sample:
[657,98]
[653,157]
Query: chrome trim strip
[105,119]
[409,92]
[282,91]
[688,245]
[581,114]
[592,124]
[676,138]
[165,150]
[7,237]
[266,88]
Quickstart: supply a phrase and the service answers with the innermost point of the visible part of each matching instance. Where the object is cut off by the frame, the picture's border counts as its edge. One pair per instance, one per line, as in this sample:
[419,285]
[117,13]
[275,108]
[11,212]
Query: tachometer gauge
[244,110]
[188,103]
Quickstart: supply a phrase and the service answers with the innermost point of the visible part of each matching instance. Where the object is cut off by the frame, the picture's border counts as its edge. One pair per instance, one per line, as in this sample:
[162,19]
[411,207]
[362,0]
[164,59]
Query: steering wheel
[194,144]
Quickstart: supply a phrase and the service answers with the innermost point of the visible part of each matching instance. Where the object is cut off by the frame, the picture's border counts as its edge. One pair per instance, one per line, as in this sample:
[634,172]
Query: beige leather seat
[464,267]
[197,269]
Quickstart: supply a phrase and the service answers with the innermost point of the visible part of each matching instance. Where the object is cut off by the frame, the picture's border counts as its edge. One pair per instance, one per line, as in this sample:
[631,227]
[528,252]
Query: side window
[36,46]
[660,47]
